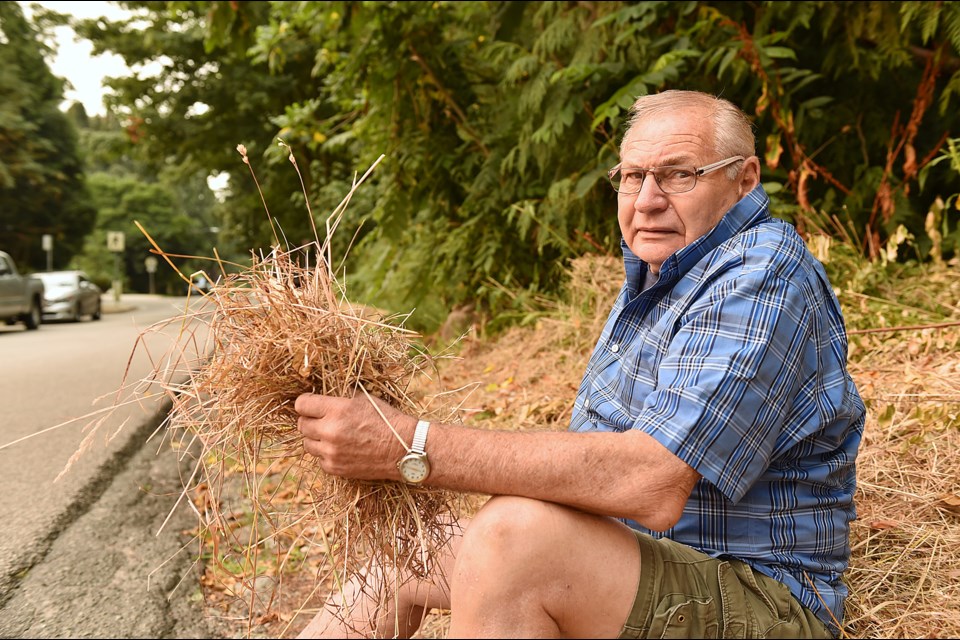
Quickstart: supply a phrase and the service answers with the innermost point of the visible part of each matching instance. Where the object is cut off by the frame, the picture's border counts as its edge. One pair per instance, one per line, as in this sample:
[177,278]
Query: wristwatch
[415,466]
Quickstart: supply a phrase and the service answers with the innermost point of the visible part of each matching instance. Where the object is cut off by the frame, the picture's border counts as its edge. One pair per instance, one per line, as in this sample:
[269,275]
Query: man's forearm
[616,474]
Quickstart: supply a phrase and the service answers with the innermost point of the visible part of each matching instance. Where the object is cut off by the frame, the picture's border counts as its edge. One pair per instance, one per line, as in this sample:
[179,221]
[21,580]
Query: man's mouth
[659,231]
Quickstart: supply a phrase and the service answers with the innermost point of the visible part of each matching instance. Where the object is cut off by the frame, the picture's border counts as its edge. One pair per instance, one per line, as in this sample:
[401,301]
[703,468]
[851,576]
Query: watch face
[414,468]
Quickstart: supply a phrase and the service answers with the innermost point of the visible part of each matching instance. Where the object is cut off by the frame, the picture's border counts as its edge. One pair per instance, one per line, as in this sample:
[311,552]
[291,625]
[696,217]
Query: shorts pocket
[683,616]
[737,621]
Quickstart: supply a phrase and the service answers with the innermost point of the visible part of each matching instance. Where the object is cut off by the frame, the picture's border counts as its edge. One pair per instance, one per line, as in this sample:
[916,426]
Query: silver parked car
[68,295]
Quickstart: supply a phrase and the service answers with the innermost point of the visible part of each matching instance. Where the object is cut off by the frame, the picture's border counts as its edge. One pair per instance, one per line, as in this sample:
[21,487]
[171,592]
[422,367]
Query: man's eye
[676,174]
[632,176]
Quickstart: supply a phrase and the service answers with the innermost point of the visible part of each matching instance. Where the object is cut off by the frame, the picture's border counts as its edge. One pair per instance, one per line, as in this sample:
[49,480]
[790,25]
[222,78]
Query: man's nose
[651,196]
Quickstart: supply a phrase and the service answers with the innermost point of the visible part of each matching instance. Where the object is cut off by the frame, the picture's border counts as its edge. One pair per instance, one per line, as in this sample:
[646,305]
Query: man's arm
[626,475]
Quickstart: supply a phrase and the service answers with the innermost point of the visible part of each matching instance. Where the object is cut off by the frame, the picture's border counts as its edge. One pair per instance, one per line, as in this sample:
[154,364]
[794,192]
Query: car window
[59,279]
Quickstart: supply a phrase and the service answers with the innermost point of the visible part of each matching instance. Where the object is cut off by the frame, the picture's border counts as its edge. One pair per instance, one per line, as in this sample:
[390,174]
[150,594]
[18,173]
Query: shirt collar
[751,210]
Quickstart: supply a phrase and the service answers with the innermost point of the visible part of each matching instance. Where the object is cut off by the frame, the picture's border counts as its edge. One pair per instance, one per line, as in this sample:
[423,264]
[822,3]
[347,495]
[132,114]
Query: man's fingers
[303,402]
[315,405]
[301,424]
[312,447]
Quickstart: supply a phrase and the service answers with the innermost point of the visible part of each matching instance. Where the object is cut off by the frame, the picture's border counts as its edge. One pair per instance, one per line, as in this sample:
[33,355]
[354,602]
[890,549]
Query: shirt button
[615,348]
[586,403]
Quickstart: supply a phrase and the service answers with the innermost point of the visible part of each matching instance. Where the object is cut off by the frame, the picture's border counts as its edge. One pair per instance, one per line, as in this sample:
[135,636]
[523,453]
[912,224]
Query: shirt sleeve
[726,382]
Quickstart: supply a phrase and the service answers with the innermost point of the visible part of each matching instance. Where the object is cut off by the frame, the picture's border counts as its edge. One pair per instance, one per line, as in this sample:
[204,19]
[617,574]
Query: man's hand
[352,437]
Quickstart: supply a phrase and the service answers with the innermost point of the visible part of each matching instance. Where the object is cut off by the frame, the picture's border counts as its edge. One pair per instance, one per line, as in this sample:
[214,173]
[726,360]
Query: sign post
[115,244]
[150,263]
[47,243]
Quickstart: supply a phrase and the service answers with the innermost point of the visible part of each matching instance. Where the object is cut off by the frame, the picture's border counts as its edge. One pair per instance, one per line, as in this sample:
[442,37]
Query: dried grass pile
[904,575]
[279,330]
[261,336]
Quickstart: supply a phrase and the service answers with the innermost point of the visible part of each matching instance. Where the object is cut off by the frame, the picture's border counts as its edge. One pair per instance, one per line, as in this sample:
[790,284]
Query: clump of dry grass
[279,330]
[263,335]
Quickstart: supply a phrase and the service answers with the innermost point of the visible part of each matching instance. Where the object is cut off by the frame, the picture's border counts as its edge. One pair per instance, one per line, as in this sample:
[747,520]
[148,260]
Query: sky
[74,60]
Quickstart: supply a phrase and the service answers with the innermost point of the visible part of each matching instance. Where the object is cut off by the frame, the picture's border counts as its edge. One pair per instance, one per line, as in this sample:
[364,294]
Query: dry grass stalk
[263,335]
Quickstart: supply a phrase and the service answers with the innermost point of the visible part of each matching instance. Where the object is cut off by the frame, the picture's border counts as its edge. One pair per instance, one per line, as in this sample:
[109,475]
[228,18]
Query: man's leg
[523,569]
[532,569]
[369,606]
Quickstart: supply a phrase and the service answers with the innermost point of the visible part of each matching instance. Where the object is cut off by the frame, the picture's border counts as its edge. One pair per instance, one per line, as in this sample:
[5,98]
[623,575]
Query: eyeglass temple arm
[717,165]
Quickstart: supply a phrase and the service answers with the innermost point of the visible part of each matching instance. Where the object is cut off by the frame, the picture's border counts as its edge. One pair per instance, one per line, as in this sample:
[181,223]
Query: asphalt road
[103,552]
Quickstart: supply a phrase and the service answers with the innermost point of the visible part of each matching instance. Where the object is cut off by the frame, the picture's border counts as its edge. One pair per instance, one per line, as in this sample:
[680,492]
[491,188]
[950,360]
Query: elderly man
[705,487]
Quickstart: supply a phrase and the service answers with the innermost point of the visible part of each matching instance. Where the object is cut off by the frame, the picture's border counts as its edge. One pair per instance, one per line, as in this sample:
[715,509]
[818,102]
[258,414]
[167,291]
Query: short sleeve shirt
[735,361]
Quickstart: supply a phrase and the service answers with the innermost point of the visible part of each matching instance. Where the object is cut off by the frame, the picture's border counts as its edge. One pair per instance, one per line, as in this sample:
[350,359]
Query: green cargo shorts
[686,594]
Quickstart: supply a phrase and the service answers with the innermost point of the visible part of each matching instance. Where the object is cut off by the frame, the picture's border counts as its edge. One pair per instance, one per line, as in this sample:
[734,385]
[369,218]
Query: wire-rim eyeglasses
[671,179]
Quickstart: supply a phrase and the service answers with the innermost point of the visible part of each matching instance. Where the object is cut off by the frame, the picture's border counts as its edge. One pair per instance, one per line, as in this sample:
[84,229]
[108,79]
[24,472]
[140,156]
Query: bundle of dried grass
[260,337]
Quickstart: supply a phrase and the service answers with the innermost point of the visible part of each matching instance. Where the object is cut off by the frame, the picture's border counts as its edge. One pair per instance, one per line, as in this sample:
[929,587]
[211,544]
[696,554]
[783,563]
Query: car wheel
[33,318]
[98,312]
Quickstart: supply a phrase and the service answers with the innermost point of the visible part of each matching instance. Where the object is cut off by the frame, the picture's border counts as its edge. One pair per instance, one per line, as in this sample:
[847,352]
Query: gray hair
[732,129]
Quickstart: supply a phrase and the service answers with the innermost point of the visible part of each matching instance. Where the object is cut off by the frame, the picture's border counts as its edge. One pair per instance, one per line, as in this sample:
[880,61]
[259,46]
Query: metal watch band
[420,437]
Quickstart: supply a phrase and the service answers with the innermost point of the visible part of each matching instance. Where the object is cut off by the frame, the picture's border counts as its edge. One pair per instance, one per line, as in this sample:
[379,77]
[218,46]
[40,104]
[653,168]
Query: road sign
[115,241]
[151,263]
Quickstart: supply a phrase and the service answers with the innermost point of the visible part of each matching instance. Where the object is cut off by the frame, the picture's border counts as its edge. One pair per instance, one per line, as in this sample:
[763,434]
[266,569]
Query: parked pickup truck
[21,297]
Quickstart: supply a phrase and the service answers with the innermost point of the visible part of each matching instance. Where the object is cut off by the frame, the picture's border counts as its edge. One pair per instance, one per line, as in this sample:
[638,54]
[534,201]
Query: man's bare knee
[506,527]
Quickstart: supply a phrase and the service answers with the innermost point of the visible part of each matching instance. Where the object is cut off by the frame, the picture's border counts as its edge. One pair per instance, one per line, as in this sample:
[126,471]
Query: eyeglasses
[670,178]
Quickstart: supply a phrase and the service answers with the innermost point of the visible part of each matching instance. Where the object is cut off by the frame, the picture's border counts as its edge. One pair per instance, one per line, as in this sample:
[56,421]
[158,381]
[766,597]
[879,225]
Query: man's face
[655,224]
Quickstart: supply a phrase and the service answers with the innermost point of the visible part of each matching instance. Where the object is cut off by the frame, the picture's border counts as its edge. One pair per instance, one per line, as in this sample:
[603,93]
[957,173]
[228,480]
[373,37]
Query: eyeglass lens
[670,179]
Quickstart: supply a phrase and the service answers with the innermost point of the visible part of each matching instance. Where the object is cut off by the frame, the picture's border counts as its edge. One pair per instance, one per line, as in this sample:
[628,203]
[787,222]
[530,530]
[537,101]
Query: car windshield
[58,280]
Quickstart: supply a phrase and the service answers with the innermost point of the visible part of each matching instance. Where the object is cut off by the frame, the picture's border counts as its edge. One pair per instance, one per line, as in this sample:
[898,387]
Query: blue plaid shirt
[735,361]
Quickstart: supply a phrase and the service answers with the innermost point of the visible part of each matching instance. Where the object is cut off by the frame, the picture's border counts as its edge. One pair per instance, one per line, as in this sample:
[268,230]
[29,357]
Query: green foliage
[942,223]
[951,155]
[42,189]
[498,121]
[170,211]
[209,98]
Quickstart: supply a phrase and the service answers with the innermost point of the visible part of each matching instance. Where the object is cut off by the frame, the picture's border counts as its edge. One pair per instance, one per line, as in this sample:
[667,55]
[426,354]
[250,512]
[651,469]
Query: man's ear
[749,175]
